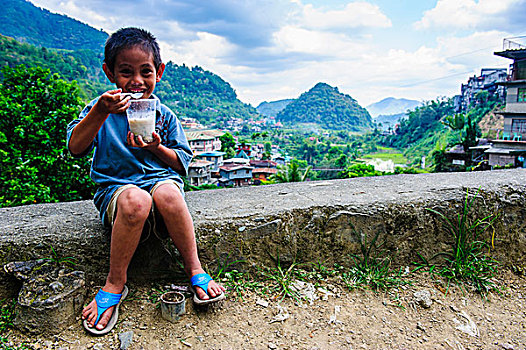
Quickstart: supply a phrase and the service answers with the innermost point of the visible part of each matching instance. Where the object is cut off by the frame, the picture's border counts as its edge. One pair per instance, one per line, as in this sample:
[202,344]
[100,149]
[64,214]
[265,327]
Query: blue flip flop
[104,301]
[202,280]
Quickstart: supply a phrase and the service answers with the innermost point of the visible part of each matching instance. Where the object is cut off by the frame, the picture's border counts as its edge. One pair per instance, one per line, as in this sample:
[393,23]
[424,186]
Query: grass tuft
[372,268]
[468,261]
[280,280]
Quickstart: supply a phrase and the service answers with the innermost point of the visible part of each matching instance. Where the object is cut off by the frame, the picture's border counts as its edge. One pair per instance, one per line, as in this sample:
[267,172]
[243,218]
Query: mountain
[201,94]
[391,105]
[30,24]
[389,121]
[83,66]
[326,106]
[75,51]
[271,109]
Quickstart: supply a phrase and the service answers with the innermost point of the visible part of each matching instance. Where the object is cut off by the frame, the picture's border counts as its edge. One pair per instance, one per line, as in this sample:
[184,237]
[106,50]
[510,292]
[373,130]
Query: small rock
[262,302]
[126,339]
[186,343]
[272,346]
[423,298]
[98,346]
[507,346]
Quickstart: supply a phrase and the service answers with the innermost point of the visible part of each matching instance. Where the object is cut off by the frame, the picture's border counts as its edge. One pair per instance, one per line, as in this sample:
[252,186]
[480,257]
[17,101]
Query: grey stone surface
[126,339]
[310,221]
[51,297]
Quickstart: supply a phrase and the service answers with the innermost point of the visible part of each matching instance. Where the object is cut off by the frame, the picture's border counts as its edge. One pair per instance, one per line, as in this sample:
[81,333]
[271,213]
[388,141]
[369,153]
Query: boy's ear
[108,73]
[160,72]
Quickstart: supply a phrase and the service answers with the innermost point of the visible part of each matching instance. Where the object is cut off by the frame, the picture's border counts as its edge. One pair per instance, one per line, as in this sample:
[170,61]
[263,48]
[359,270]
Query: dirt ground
[338,319]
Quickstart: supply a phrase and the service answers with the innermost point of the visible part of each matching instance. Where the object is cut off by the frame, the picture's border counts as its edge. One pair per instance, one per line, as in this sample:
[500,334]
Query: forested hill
[84,66]
[327,107]
[198,93]
[271,109]
[75,51]
[30,24]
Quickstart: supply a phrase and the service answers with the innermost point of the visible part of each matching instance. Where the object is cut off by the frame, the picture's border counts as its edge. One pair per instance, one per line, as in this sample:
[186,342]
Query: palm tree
[290,173]
[455,122]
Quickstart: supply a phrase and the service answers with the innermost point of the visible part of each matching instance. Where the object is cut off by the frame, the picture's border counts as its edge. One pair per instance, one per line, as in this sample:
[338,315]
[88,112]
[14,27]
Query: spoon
[134,95]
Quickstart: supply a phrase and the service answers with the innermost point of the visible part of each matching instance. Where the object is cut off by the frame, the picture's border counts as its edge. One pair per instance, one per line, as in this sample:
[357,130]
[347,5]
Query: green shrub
[35,167]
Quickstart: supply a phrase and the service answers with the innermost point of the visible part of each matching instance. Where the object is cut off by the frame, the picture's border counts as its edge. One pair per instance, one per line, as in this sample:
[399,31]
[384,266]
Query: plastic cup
[172,306]
[141,117]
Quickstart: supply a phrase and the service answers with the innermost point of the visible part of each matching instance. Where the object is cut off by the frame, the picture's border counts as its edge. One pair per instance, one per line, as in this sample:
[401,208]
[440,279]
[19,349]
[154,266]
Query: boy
[135,177]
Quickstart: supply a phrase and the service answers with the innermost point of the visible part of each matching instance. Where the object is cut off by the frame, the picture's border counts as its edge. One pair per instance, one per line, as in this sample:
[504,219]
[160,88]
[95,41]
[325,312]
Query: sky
[276,49]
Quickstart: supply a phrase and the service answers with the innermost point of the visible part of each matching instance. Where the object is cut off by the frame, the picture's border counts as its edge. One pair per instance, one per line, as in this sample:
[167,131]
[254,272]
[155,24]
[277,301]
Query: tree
[439,160]
[227,141]
[268,147]
[360,170]
[291,173]
[310,150]
[455,122]
[471,133]
[35,167]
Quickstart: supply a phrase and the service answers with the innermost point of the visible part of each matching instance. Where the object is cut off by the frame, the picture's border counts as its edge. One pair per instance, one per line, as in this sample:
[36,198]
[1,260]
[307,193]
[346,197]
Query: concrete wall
[303,222]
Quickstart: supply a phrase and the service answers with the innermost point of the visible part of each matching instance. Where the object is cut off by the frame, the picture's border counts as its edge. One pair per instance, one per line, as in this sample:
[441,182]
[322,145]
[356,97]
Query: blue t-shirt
[115,163]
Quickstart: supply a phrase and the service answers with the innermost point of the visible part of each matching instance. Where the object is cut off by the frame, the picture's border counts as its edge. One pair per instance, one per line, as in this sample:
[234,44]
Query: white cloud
[295,39]
[467,14]
[207,50]
[281,48]
[354,15]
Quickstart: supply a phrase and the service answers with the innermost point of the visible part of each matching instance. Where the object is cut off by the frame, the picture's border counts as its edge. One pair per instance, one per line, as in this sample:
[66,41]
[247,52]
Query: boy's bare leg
[133,208]
[172,207]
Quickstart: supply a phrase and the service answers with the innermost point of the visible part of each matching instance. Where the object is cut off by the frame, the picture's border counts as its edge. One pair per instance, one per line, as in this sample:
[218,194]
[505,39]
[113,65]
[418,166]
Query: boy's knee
[134,204]
[168,194]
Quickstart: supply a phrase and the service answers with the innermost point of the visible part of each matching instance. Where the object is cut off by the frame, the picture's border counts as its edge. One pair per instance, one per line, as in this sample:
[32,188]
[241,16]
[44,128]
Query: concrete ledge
[305,222]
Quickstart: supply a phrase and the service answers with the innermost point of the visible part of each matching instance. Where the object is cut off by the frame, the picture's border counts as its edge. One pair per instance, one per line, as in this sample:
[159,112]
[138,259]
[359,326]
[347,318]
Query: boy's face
[135,71]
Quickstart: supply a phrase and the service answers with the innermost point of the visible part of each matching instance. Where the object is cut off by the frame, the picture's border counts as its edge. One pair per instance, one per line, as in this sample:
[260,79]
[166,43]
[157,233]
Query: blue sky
[276,49]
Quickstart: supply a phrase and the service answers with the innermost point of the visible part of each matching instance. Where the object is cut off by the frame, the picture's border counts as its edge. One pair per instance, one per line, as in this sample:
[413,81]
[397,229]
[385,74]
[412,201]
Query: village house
[262,174]
[263,163]
[215,157]
[244,150]
[204,140]
[190,123]
[509,147]
[199,172]
[488,80]
[235,174]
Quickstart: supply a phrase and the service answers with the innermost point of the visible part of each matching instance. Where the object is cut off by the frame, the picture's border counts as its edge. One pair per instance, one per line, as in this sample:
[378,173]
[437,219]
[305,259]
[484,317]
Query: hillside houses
[210,167]
[509,147]
[204,140]
[489,80]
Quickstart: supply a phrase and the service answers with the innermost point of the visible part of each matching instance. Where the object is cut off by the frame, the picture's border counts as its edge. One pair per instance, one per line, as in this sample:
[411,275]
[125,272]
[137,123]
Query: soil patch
[399,318]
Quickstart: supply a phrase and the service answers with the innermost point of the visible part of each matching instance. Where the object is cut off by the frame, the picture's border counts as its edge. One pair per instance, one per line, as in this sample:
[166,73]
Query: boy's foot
[90,312]
[214,289]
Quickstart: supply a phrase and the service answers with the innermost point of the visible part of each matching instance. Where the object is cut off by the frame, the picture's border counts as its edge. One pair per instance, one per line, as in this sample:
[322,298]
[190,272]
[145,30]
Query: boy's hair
[126,38]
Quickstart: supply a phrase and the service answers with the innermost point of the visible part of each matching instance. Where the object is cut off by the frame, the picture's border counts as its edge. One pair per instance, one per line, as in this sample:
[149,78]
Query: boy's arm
[169,156]
[165,154]
[85,131]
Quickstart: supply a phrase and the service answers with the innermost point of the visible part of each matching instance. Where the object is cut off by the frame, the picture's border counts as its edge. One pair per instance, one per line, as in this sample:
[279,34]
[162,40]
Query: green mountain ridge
[271,109]
[27,23]
[75,51]
[326,106]
[82,66]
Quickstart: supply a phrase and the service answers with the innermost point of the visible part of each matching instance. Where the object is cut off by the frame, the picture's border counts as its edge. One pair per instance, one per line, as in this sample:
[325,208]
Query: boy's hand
[137,141]
[112,102]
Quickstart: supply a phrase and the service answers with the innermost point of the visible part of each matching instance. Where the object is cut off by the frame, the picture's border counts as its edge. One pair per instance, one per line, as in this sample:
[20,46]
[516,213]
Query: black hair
[126,38]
